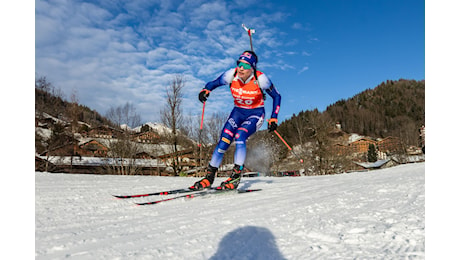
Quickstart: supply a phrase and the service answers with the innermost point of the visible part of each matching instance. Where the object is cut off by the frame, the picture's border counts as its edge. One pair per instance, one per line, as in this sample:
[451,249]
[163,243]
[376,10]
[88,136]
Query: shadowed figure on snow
[248,243]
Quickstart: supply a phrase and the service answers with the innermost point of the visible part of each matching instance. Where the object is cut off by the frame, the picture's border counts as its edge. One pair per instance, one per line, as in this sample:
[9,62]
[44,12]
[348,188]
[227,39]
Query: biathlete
[247,85]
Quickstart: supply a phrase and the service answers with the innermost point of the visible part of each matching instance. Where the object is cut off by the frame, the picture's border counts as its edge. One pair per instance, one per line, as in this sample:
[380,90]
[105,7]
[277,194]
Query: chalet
[47,121]
[106,132]
[146,137]
[362,145]
[389,144]
[188,157]
[93,148]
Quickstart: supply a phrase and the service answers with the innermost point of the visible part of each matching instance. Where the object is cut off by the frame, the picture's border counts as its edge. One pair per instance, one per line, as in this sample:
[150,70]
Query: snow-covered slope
[367,215]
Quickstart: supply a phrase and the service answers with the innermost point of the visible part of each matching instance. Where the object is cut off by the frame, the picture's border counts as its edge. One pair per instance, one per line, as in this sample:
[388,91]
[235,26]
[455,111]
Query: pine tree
[371,153]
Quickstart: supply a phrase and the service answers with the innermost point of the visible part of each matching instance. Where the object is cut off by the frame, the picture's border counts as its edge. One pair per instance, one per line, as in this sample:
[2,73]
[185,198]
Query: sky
[315,52]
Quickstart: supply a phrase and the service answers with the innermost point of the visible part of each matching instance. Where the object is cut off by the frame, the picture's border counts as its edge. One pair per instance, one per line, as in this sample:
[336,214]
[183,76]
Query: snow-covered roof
[376,164]
[354,137]
[100,161]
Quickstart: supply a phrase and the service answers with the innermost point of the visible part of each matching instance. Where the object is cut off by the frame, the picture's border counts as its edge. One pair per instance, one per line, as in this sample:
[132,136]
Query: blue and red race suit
[248,114]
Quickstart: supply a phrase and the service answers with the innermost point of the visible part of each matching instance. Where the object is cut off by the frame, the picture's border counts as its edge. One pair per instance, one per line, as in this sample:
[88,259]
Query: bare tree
[74,110]
[50,99]
[300,127]
[205,138]
[123,156]
[123,150]
[321,125]
[192,129]
[171,116]
[124,115]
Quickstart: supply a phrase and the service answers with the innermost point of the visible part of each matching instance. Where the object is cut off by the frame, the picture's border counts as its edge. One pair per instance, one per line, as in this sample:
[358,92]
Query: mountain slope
[393,108]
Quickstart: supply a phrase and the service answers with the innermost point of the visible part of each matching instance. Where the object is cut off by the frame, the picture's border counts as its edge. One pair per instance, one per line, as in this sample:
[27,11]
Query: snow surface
[367,215]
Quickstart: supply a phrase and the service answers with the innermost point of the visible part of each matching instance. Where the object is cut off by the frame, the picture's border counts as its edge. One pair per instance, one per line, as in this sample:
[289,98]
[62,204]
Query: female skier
[247,85]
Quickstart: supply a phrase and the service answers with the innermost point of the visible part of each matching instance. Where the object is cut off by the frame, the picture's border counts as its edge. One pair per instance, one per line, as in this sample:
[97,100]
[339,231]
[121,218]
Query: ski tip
[249,190]
[123,197]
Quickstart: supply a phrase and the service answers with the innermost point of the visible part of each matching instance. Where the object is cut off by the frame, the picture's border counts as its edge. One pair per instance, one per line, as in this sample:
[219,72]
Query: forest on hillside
[393,108]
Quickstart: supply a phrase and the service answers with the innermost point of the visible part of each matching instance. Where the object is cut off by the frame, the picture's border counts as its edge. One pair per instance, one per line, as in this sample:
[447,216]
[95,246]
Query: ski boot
[207,181]
[232,182]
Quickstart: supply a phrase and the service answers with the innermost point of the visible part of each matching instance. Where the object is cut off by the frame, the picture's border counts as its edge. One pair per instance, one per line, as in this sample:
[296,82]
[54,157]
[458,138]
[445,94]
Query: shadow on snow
[248,243]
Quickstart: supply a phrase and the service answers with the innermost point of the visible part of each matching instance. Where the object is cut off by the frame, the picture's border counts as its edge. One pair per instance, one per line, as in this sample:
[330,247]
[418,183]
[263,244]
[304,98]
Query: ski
[197,194]
[187,190]
[169,192]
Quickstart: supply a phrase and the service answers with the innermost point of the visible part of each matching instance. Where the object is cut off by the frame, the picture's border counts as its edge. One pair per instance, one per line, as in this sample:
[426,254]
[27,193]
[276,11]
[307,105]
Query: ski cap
[250,57]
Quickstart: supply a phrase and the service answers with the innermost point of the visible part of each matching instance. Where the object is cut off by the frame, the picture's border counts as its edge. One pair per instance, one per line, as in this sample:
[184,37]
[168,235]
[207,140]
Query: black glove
[204,94]
[272,124]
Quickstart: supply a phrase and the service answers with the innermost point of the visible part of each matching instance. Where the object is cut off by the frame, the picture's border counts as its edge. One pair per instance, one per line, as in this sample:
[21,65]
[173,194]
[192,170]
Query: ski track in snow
[368,215]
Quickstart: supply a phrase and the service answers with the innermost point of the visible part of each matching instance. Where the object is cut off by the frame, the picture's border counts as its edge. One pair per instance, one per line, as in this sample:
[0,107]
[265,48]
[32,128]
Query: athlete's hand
[272,124]
[204,94]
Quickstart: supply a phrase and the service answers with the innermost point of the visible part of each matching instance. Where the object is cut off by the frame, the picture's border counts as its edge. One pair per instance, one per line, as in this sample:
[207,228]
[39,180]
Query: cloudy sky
[316,52]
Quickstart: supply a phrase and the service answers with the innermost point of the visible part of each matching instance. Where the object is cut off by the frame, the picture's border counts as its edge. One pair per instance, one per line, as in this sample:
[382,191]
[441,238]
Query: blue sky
[315,52]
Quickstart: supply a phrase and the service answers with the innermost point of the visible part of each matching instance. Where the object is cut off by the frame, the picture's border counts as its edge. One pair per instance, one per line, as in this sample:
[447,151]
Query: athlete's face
[243,72]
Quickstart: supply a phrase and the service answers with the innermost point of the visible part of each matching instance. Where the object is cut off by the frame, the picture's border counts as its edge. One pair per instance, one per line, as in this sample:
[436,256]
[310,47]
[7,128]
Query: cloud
[300,26]
[303,69]
[114,53]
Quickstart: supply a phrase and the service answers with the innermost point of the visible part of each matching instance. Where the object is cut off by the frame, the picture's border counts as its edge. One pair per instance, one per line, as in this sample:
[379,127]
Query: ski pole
[201,124]
[201,131]
[290,149]
[276,132]
[202,116]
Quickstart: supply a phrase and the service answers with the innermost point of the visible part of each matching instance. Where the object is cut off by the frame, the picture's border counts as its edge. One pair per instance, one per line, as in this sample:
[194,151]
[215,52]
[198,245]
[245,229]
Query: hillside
[50,100]
[393,108]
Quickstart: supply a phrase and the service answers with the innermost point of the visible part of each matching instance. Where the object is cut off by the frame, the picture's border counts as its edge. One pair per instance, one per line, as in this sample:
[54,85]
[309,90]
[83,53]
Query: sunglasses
[244,65]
